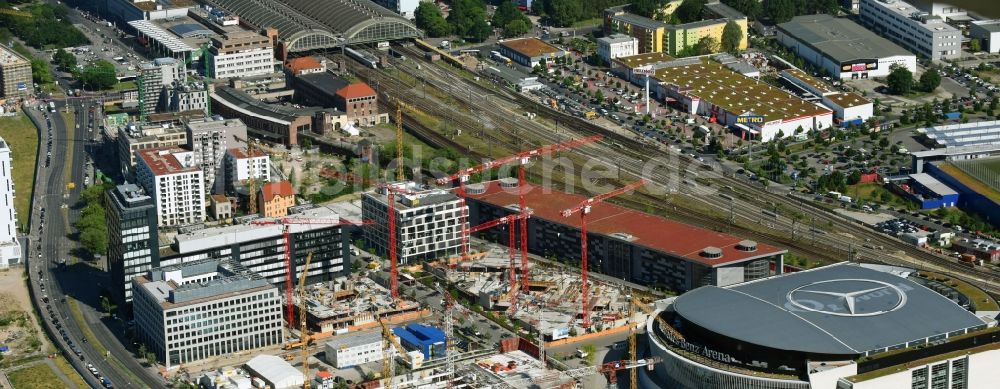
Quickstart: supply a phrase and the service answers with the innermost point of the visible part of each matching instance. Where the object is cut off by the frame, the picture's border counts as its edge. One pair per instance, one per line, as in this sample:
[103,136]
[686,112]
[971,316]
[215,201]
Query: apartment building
[922,33]
[175,183]
[133,238]
[240,167]
[205,309]
[240,53]
[10,248]
[275,198]
[261,248]
[674,39]
[617,45]
[154,78]
[210,139]
[188,96]
[428,222]
[15,74]
[134,137]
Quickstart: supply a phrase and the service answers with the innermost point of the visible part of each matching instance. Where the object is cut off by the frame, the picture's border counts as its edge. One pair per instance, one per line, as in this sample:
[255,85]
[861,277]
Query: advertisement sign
[860,65]
[22,86]
[642,72]
[750,119]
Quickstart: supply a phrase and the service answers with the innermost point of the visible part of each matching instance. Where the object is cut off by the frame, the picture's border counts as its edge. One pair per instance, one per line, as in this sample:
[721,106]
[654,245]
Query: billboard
[642,72]
[22,86]
[862,65]
[750,119]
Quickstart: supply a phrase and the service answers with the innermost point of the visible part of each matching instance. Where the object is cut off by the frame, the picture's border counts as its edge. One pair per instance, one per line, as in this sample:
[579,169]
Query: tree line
[47,28]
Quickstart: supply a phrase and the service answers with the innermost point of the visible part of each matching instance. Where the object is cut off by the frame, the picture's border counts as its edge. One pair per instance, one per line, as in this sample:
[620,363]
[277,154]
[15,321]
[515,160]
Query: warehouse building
[849,108]
[205,309]
[429,222]
[529,51]
[755,109]
[624,243]
[15,74]
[353,349]
[842,48]
[275,372]
[920,32]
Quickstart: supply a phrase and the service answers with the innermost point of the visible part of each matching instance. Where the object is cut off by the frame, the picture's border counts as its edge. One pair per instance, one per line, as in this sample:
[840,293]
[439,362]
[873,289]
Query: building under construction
[349,304]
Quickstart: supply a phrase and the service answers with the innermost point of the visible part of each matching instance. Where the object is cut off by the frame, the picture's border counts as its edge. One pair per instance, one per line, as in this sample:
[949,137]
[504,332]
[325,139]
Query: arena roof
[839,38]
[841,309]
[645,230]
[309,24]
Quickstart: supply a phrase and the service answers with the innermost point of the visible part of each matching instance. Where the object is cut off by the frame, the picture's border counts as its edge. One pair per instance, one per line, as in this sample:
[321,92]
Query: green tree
[690,10]
[467,17]
[64,60]
[40,72]
[429,18]
[780,11]
[900,80]
[506,12]
[732,36]
[930,80]
[707,45]
[975,45]
[647,8]
[750,8]
[563,12]
[99,75]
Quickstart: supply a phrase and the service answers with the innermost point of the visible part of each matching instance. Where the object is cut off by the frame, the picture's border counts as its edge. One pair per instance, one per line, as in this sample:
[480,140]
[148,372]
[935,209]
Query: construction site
[341,306]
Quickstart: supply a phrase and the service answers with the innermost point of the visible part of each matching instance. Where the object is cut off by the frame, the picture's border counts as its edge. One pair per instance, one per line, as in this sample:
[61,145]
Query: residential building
[842,48]
[352,349]
[428,222]
[988,33]
[205,309]
[675,39]
[530,52]
[240,167]
[430,341]
[186,96]
[920,32]
[133,238]
[649,33]
[210,139]
[261,248]
[305,65]
[275,198]
[360,103]
[175,183]
[134,137]
[154,77]
[240,53]
[220,208]
[15,74]
[10,248]
[617,45]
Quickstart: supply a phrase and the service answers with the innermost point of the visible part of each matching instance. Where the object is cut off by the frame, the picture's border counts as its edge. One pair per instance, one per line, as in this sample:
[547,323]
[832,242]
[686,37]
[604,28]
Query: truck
[846,199]
[590,115]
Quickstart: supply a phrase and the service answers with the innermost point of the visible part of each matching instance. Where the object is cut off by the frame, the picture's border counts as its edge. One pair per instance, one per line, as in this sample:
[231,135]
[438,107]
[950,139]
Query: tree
[690,11]
[64,61]
[99,75]
[429,18]
[141,351]
[517,27]
[750,8]
[563,12]
[930,80]
[467,18]
[647,8]
[779,11]
[40,72]
[105,304]
[732,36]
[707,45]
[975,45]
[900,80]
[506,12]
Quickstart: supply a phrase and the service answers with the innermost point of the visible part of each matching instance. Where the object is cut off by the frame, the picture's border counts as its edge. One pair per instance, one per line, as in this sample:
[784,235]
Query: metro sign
[643,72]
[750,119]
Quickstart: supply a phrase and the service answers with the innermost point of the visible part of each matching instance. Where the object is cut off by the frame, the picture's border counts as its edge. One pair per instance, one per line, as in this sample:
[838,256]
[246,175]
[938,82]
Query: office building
[530,52]
[133,238]
[175,183]
[240,167]
[842,326]
[261,248]
[428,222]
[275,198]
[842,48]
[186,96]
[15,74]
[352,349]
[210,139]
[920,32]
[430,341]
[988,33]
[134,137]
[10,248]
[205,309]
[240,53]
[617,45]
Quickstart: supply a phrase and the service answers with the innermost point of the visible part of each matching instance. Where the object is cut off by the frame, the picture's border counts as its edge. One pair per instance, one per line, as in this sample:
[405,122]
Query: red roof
[162,161]
[280,188]
[242,154]
[297,65]
[654,232]
[356,90]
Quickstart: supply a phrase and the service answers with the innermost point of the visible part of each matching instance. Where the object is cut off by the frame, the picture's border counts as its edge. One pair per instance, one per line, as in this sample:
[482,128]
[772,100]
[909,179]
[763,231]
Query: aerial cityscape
[499,194]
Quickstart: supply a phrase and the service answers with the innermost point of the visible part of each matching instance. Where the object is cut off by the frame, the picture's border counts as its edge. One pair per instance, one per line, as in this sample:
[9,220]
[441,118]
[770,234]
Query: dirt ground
[14,298]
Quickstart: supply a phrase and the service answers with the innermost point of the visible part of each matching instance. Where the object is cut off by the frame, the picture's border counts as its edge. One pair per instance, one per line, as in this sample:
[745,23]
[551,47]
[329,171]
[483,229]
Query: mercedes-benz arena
[844,326]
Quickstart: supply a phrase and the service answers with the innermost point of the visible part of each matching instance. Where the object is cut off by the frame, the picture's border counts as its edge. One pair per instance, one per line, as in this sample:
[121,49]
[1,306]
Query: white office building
[176,184]
[209,139]
[617,45]
[921,32]
[428,222]
[241,54]
[10,248]
[988,33]
[240,167]
[352,349]
[205,309]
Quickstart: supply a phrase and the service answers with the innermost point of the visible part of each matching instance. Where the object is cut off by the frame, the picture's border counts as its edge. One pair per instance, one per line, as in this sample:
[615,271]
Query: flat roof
[640,21]
[354,339]
[839,38]
[964,134]
[988,25]
[848,99]
[931,183]
[736,93]
[250,105]
[805,78]
[841,309]
[171,41]
[164,160]
[639,60]
[906,10]
[324,81]
[724,11]
[9,56]
[616,38]
[530,47]
[650,231]
[957,150]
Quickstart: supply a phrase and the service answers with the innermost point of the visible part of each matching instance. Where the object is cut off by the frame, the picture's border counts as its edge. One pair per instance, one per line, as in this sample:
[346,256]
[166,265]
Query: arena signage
[699,349]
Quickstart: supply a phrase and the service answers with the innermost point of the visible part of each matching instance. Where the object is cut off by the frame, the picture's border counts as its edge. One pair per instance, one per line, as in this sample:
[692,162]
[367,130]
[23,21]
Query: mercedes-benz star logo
[842,297]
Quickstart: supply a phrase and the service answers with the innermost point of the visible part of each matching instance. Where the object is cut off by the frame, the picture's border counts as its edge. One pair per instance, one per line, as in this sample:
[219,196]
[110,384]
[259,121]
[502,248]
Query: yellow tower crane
[252,179]
[303,329]
[389,342]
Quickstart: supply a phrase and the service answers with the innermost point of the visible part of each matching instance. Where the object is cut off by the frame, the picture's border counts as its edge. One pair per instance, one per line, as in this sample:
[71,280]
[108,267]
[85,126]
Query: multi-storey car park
[843,326]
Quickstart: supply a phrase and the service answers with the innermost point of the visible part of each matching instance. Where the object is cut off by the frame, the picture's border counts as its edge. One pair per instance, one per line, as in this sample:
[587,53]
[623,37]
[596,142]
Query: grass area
[22,137]
[126,85]
[971,182]
[39,376]
[979,299]
[587,22]
[68,370]
[986,170]
[70,120]
[872,191]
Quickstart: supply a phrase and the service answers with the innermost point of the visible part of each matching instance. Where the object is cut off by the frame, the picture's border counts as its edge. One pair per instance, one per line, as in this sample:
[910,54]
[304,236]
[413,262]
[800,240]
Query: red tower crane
[286,235]
[584,208]
[510,221]
[390,199]
[522,158]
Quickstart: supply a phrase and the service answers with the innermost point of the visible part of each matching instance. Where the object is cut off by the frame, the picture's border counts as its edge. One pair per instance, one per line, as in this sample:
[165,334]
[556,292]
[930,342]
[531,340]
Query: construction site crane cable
[584,208]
